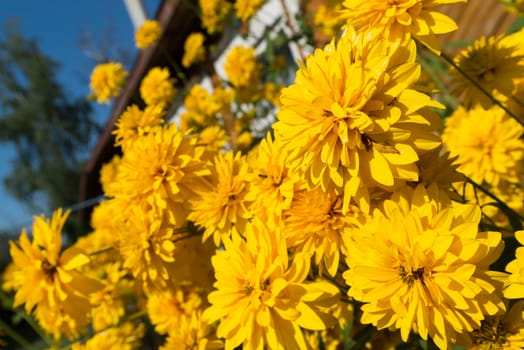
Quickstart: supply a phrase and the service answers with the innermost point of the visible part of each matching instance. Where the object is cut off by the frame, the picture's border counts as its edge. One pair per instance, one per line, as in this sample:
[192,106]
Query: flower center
[49,270]
[410,277]
[492,333]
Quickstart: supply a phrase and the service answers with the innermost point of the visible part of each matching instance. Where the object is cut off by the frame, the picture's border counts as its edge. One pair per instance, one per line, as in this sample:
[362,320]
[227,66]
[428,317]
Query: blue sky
[57,26]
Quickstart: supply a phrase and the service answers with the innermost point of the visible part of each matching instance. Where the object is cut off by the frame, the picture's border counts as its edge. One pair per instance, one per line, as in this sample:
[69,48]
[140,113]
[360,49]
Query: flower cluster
[147,34]
[335,204]
[106,81]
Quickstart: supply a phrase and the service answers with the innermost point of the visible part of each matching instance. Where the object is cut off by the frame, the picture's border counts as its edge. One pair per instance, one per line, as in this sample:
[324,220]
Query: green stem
[15,336]
[136,315]
[475,83]
[178,72]
[37,329]
[514,217]
[107,249]
[186,237]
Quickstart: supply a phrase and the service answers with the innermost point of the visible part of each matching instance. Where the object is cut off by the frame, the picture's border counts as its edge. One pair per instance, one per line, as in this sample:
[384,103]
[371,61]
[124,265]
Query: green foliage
[50,131]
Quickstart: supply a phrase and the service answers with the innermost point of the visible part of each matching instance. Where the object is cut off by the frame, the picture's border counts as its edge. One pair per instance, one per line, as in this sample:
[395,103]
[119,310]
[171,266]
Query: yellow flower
[48,281]
[167,308]
[515,287]
[158,88]
[315,225]
[147,34]
[352,121]
[241,66]
[194,50]
[147,247]
[419,267]
[109,304]
[104,218]
[243,71]
[224,97]
[502,332]
[106,81]
[108,174]
[214,14]
[261,297]
[328,18]
[213,138]
[494,63]
[488,144]
[135,122]
[164,169]
[272,93]
[244,141]
[201,108]
[223,205]
[245,9]
[272,183]
[126,336]
[394,19]
[9,282]
[193,333]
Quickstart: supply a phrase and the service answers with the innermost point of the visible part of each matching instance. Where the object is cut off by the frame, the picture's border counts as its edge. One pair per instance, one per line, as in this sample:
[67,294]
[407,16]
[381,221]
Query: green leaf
[516,25]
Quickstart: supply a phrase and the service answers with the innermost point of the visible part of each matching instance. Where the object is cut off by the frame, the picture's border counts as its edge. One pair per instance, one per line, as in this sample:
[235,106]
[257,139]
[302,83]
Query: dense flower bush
[345,208]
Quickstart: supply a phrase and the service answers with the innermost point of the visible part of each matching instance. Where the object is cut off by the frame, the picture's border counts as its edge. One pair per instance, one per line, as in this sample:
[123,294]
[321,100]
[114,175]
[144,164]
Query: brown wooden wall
[477,18]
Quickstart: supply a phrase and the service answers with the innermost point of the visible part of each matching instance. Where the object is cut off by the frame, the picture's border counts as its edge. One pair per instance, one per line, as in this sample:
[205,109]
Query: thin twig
[103,250]
[178,72]
[475,83]
[292,28]
[516,224]
[15,336]
[31,321]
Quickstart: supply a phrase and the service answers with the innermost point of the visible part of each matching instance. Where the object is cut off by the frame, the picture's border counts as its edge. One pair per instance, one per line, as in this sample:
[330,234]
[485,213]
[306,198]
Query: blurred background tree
[50,130]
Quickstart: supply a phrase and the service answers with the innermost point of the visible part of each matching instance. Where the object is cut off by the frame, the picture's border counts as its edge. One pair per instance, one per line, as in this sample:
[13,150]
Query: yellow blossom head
[504,332]
[167,308]
[396,19]
[351,120]
[272,182]
[201,108]
[258,298]
[243,71]
[193,333]
[147,34]
[135,122]
[214,14]
[328,18]
[46,278]
[158,87]
[106,81]
[194,49]
[315,224]
[163,169]
[245,9]
[495,63]
[108,174]
[223,205]
[419,266]
[488,144]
